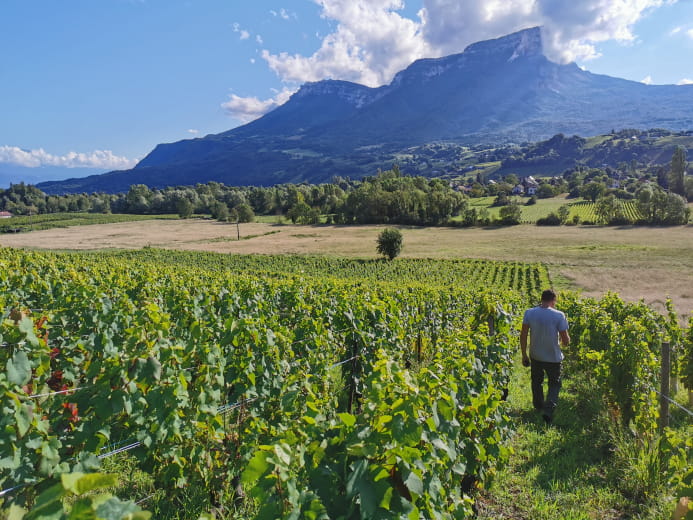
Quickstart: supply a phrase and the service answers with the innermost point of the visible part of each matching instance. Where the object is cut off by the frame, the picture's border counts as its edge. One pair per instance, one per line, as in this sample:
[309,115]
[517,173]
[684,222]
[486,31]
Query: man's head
[548,296]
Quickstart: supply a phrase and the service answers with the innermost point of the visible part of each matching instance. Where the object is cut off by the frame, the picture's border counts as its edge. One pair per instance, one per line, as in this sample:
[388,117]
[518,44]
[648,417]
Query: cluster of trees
[386,198]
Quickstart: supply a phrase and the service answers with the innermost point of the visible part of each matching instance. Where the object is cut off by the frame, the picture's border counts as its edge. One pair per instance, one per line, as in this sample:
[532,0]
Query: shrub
[390,243]
[549,220]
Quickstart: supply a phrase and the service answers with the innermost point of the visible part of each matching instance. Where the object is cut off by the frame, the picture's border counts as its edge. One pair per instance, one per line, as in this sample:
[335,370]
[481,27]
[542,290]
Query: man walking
[545,326]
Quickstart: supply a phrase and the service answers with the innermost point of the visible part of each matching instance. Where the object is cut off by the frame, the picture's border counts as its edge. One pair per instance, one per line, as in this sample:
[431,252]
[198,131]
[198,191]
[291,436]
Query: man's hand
[525,361]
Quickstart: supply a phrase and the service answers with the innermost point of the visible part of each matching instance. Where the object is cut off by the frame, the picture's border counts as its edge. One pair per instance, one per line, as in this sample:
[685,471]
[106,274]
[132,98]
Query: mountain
[496,91]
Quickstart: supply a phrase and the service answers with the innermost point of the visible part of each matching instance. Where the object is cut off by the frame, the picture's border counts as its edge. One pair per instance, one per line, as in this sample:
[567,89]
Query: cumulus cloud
[685,81]
[371,40]
[689,33]
[647,80]
[674,31]
[246,109]
[193,131]
[34,158]
[570,29]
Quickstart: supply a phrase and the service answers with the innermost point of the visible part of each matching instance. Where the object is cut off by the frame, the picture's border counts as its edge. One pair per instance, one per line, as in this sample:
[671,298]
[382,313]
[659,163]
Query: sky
[97,84]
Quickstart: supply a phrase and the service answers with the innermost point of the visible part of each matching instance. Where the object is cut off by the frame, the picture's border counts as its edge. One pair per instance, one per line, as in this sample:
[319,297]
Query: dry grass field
[637,262]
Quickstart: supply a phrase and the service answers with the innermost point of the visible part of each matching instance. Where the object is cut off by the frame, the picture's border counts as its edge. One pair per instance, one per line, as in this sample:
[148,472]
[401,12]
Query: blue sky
[96,84]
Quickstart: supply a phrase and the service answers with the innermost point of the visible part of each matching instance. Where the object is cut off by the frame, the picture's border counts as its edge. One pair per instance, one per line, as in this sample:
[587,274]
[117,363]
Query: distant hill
[495,92]
[14,174]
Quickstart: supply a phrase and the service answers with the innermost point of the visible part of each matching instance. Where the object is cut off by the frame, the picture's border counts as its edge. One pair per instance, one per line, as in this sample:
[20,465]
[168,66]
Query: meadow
[648,263]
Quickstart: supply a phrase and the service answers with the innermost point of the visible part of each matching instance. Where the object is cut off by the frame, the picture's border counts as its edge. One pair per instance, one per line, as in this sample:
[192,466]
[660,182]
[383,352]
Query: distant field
[63,220]
[646,263]
[530,214]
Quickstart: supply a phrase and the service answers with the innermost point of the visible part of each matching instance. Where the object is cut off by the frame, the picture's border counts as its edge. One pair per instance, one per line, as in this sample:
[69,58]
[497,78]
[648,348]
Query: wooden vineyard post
[418,348]
[352,379]
[665,374]
[674,380]
[491,326]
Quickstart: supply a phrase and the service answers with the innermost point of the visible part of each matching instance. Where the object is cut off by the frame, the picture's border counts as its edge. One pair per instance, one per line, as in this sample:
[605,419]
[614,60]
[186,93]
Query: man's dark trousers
[553,372]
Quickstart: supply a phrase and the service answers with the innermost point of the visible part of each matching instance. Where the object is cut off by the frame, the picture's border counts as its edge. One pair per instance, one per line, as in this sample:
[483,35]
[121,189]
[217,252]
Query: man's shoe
[547,418]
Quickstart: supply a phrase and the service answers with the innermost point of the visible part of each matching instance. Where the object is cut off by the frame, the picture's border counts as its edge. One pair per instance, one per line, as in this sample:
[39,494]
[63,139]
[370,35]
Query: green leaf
[23,417]
[347,419]
[414,483]
[360,468]
[26,327]
[283,452]
[49,504]
[115,509]
[19,369]
[257,467]
[79,483]
[16,513]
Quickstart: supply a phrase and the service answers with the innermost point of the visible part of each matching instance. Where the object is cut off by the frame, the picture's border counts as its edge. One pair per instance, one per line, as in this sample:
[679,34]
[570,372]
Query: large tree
[678,171]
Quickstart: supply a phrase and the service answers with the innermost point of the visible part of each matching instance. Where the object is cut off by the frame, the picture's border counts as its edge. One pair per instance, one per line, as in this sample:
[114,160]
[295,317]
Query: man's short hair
[548,295]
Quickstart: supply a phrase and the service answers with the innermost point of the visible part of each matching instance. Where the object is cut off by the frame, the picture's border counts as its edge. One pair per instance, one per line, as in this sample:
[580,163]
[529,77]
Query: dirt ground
[651,264]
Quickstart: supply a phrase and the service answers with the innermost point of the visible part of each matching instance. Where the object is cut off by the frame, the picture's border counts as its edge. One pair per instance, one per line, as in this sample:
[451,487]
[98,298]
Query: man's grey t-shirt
[544,325]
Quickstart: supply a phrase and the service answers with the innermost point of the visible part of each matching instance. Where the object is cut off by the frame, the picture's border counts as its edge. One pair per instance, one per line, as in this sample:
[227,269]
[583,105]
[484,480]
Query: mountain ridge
[496,91]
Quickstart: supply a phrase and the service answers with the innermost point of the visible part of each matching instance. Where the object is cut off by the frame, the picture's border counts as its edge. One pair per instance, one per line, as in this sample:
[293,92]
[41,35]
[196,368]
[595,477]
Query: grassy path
[562,471]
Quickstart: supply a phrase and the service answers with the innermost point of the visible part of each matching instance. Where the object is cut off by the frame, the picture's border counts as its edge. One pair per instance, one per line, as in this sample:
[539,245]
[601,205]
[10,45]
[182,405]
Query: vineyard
[586,211]
[62,220]
[274,386]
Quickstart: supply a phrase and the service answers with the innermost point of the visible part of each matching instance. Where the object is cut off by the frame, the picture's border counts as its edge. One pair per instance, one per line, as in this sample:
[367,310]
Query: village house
[5,214]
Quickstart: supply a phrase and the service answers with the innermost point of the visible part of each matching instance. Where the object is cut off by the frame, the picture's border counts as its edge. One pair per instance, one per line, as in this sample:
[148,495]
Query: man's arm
[523,343]
[565,338]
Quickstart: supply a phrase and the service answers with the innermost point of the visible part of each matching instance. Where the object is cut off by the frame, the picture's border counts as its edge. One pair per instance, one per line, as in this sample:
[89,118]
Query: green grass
[569,470]
[530,214]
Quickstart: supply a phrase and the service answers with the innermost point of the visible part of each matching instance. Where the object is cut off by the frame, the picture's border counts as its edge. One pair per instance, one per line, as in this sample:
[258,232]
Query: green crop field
[61,220]
[293,387]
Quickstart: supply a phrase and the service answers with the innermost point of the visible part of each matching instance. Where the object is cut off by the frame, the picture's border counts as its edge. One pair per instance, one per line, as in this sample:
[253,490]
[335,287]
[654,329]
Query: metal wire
[343,362]
[224,409]
[10,490]
[121,450]
[49,394]
[142,500]
[672,402]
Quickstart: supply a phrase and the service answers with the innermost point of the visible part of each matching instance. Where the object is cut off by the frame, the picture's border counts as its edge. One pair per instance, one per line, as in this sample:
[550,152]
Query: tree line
[389,197]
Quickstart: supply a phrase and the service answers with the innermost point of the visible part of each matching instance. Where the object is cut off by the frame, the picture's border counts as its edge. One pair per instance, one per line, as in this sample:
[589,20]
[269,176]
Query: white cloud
[685,81]
[258,39]
[689,33]
[193,131]
[34,158]
[371,41]
[283,13]
[246,109]
[242,33]
[647,80]
[570,29]
[674,31]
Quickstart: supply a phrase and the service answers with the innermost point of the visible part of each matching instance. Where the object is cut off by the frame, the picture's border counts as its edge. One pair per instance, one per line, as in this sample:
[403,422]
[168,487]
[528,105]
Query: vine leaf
[19,369]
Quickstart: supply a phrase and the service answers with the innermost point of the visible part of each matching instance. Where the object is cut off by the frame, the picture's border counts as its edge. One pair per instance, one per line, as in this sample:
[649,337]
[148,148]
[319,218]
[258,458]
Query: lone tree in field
[678,171]
[390,243]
